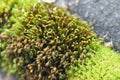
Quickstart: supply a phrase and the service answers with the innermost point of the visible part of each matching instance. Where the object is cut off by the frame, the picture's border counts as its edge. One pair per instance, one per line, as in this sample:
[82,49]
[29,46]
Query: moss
[10,10]
[45,42]
[103,66]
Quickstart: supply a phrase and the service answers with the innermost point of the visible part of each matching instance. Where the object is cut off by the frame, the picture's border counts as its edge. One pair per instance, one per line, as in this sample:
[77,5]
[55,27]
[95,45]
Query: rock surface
[104,14]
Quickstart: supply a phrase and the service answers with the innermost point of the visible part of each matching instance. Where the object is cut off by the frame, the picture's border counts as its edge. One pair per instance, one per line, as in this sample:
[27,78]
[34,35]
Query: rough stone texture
[103,13]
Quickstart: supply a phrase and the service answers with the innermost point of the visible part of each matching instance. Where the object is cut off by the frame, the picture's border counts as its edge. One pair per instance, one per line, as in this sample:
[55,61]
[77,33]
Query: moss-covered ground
[103,66]
[45,42]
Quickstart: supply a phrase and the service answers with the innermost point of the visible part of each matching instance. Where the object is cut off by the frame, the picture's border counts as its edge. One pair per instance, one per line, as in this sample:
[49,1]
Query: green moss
[45,42]
[103,66]
[10,10]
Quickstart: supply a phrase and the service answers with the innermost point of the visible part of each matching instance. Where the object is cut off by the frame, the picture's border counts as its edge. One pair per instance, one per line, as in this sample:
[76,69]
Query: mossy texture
[10,10]
[40,41]
[103,66]
[45,42]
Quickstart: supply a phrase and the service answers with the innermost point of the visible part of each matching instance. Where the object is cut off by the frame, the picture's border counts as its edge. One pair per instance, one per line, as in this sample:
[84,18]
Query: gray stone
[105,14]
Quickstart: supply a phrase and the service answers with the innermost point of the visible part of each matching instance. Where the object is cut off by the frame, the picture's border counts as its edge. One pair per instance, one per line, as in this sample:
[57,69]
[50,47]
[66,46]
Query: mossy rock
[45,42]
[48,43]
[103,66]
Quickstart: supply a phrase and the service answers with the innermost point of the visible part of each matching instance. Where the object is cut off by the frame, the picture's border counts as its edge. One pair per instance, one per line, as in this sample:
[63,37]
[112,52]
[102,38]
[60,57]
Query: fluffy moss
[46,42]
[10,10]
[103,66]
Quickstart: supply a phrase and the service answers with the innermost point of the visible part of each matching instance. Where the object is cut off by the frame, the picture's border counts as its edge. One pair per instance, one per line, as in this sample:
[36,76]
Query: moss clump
[10,11]
[44,44]
[5,12]
[103,66]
